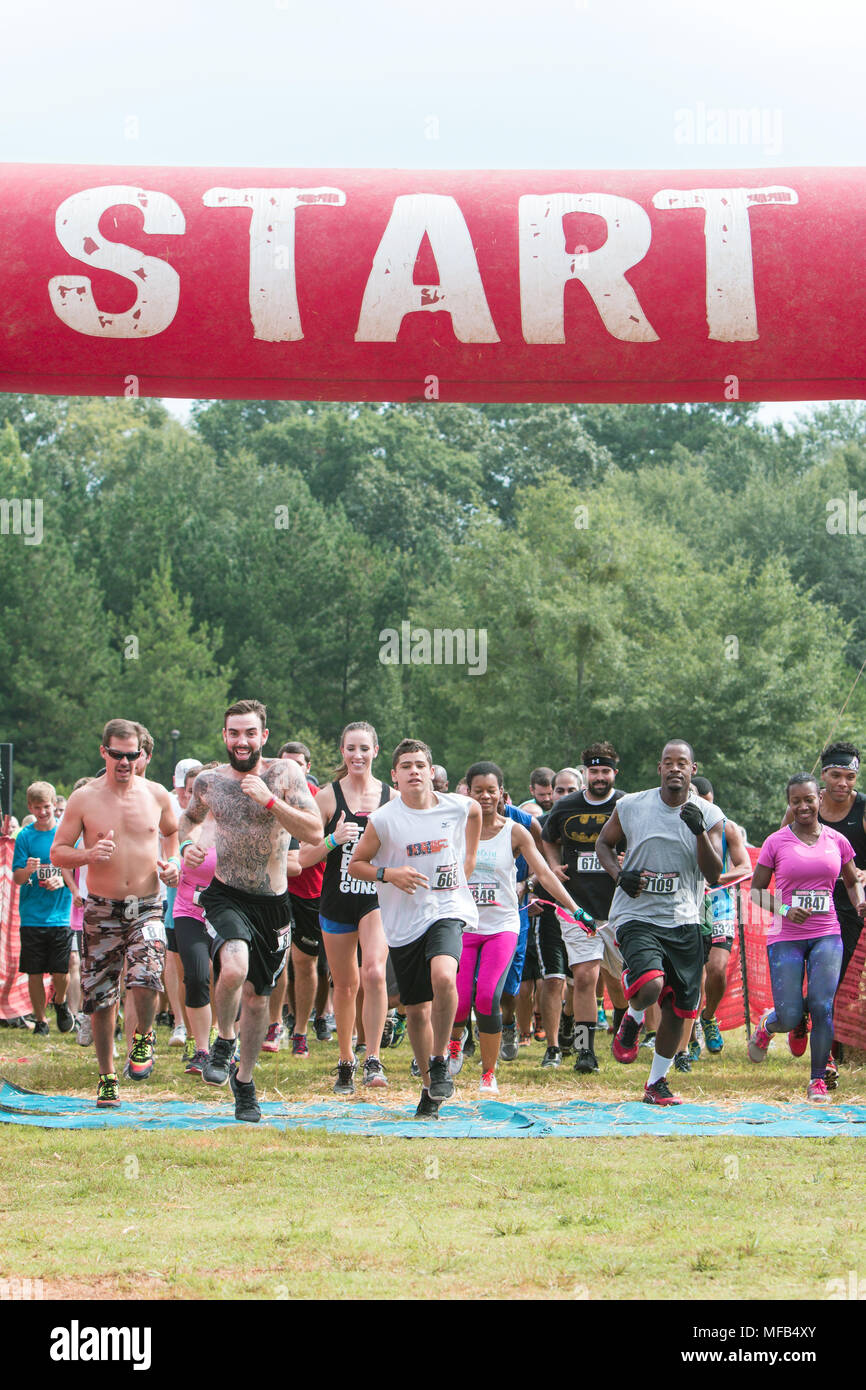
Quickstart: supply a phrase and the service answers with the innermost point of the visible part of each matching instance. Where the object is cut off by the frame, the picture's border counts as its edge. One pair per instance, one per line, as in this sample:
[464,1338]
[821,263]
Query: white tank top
[493,885]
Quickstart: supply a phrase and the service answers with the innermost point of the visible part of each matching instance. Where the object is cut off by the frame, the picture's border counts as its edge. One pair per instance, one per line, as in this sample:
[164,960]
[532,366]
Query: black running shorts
[306,929]
[550,949]
[412,963]
[720,941]
[676,957]
[45,950]
[262,920]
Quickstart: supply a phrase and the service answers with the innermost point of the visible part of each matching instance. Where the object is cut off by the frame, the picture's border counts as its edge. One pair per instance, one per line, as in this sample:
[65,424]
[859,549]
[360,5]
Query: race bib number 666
[446,876]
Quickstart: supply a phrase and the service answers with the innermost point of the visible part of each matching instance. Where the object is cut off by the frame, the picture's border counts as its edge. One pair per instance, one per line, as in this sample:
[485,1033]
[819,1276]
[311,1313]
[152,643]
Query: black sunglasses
[118,756]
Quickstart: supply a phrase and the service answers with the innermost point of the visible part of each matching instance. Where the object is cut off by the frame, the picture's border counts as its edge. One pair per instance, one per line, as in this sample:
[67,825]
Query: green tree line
[636,572]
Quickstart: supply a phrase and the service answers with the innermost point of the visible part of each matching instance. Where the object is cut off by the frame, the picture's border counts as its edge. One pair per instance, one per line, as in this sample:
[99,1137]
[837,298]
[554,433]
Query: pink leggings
[489,958]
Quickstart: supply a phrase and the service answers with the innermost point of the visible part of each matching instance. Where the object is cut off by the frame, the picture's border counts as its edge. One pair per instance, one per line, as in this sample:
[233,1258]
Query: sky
[448,84]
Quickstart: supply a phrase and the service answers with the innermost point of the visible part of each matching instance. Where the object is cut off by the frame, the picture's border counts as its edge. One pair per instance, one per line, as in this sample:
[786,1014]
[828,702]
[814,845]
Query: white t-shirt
[433,841]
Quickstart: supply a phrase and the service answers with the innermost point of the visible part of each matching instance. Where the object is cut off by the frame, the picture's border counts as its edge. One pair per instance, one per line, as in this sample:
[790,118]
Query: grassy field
[257,1213]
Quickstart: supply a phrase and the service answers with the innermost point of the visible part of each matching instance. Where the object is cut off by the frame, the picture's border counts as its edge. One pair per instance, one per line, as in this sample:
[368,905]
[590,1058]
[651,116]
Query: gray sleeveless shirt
[661,844]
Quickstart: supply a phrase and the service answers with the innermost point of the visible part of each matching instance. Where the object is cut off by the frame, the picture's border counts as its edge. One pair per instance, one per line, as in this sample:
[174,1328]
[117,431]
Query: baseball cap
[184,766]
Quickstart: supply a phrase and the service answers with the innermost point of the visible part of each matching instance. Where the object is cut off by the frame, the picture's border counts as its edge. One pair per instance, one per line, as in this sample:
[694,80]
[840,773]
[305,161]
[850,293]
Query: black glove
[691,814]
[629,881]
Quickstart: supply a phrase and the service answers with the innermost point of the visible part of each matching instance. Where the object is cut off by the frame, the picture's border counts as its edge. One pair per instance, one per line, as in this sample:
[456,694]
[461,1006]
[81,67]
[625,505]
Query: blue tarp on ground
[460,1119]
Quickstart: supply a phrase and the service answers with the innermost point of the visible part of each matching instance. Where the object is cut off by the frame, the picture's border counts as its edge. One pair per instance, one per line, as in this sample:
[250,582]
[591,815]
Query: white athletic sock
[636,1014]
[659,1069]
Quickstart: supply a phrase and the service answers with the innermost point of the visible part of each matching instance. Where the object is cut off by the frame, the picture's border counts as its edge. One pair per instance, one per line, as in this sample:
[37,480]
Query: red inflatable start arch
[413,285]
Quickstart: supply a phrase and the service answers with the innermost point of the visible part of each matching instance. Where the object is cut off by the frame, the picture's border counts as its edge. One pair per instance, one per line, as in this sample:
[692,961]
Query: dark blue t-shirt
[38,906]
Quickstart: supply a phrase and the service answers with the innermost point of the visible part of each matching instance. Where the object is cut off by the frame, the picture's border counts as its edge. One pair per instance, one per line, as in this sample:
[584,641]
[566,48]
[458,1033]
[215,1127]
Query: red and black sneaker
[625,1042]
[660,1093]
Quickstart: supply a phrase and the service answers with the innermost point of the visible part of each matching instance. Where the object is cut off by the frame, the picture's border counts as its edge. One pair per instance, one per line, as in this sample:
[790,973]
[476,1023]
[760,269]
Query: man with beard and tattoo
[257,805]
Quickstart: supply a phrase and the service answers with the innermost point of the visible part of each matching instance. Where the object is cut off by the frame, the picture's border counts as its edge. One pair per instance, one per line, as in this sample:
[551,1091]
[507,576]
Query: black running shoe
[683,1062]
[586,1061]
[345,1082]
[323,1029]
[216,1070]
[469,1044]
[387,1031]
[41,1029]
[246,1106]
[566,1035]
[65,1021]
[428,1109]
[441,1085]
[552,1057]
[415,1070]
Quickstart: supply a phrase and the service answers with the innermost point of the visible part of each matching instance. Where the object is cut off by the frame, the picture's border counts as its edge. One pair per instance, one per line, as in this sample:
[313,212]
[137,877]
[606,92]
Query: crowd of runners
[257,904]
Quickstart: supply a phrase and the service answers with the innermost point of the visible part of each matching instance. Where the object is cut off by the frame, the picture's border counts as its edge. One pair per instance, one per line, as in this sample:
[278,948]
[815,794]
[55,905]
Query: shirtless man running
[257,805]
[122,818]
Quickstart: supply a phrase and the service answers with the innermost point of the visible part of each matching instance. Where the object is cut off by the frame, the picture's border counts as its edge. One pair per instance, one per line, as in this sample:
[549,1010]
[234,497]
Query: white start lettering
[545,264]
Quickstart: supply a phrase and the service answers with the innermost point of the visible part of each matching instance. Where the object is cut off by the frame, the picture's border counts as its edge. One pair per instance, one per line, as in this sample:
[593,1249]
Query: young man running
[257,805]
[122,818]
[420,850]
[570,834]
[673,845]
[44,907]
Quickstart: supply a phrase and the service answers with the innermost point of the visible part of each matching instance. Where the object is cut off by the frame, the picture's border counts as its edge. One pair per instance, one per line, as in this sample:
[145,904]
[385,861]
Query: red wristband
[269,804]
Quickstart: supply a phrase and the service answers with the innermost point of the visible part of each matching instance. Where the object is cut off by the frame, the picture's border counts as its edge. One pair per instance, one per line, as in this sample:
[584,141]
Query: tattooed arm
[294,808]
[190,823]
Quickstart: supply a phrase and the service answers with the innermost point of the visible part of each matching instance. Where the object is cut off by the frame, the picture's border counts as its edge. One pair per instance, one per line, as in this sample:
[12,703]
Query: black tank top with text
[346,899]
[852,828]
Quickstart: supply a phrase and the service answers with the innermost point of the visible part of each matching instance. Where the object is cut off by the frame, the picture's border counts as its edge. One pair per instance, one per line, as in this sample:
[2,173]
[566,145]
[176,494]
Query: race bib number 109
[663,884]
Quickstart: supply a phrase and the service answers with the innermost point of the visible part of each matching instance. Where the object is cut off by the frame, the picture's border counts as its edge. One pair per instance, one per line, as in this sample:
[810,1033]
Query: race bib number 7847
[811,901]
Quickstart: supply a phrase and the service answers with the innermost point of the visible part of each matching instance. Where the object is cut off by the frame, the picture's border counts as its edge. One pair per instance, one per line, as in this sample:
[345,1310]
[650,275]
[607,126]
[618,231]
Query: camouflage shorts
[118,929]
